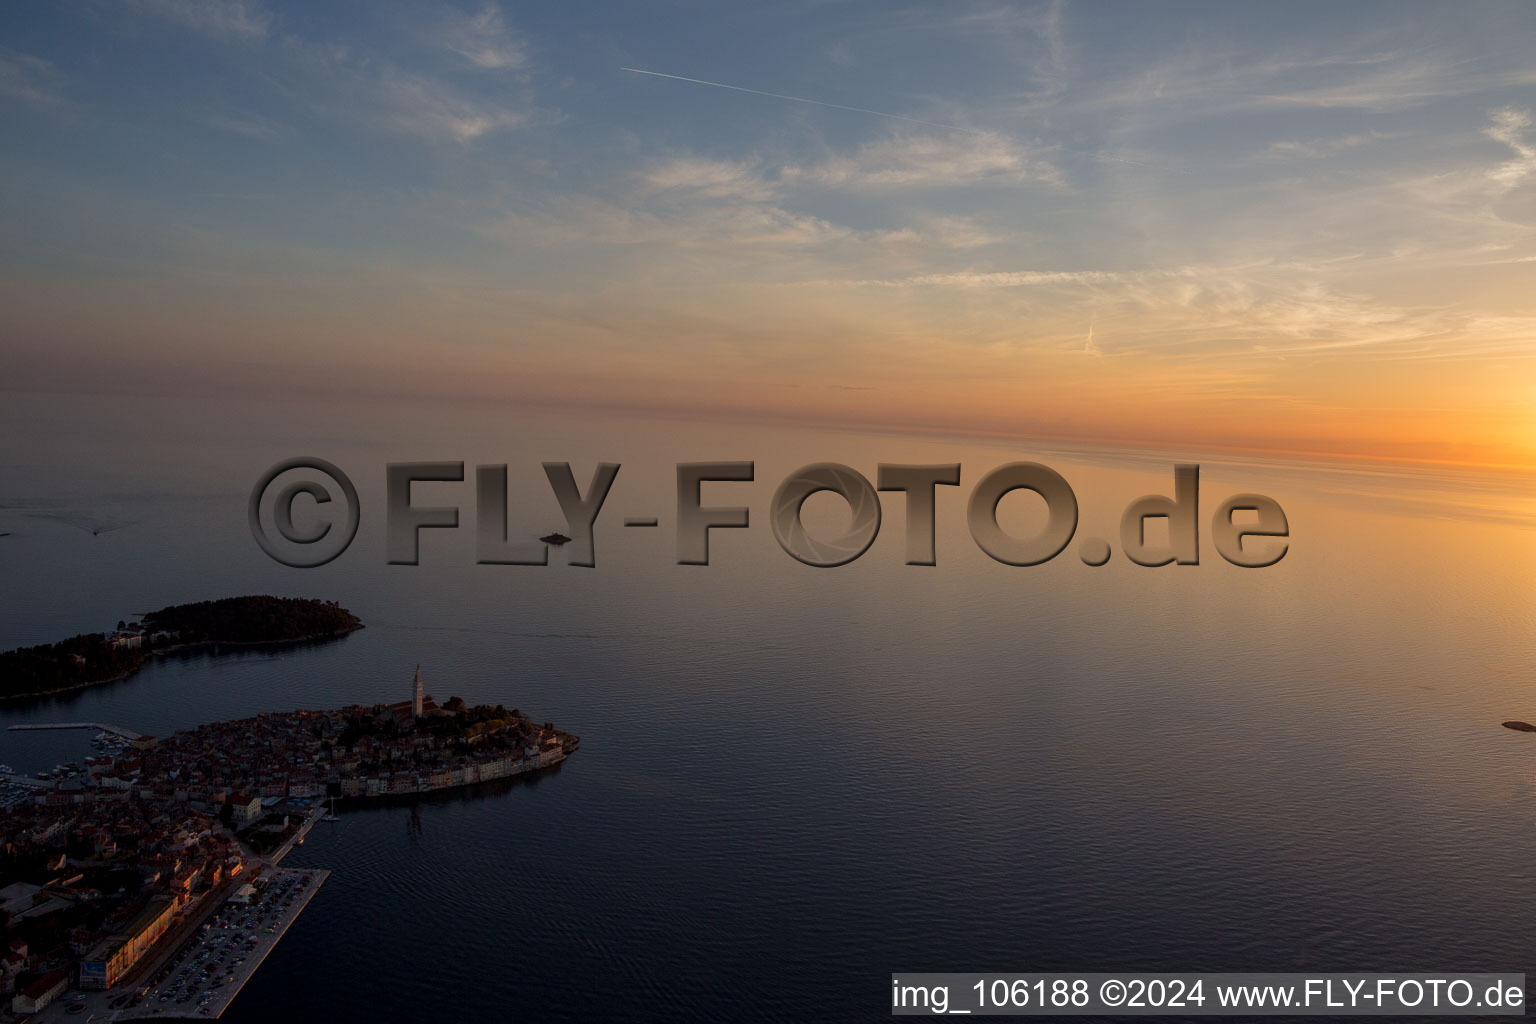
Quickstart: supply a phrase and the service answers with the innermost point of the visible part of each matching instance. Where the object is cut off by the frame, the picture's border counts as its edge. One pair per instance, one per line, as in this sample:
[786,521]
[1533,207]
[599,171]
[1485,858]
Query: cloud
[1387,82]
[27,78]
[703,176]
[370,92]
[723,227]
[726,225]
[250,126]
[907,162]
[1314,149]
[1508,125]
[1029,38]
[1242,312]
[707,201]
[927,161]
[1437,219]
[1210,82]
[943,233]
[484,40]
[842,55]
[224,19]
[1036,38]
[972,279]
[414,104]
[362,85]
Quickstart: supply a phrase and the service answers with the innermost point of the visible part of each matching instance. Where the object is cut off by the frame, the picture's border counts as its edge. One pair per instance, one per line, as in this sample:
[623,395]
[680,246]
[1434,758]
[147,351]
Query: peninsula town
[110,865]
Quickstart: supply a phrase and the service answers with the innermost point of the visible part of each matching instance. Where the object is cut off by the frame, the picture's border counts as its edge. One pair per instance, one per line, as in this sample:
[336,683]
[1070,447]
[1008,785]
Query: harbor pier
[127,734]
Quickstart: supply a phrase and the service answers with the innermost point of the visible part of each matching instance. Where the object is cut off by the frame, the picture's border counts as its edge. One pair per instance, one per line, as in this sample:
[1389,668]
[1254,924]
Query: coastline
[412,789]
[160,651]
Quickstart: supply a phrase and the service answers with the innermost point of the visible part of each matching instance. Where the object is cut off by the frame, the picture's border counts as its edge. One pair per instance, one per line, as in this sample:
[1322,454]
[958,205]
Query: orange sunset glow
[1312,236]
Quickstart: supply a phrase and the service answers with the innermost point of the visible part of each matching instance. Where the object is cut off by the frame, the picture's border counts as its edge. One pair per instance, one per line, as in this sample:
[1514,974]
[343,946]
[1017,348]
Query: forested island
[252,620]
[92,658]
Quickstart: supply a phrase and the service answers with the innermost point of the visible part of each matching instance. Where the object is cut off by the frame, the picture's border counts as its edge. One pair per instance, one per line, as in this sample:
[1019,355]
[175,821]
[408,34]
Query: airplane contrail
[802,99]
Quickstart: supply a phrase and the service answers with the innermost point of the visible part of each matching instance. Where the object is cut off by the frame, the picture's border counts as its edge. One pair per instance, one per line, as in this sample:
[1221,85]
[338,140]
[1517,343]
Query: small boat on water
[556,539]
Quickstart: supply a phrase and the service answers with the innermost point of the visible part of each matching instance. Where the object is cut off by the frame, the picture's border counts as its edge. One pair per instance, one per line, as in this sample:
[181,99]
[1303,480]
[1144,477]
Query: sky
[1287,227]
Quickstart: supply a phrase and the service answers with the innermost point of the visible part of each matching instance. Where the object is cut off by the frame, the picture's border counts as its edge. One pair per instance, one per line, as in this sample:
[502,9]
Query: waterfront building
[105,965]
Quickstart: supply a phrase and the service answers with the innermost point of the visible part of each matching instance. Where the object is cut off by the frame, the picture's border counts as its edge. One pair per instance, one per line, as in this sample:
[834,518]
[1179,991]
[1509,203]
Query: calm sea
[792,781]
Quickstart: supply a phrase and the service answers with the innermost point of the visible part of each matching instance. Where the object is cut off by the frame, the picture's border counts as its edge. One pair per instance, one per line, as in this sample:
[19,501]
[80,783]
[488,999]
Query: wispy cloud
[720,227]
[1508,125]
[1211,82]
[1228,205]
[944,233]
[368,91]
[902,162]
[988,279]
[1258,312]
[1317,148]
[1384,82]
[419,105]
[27,78]
[710,177]
[226,19]
[732,228]
[798,99]
[1029,38]
[926,161]
[251,126]
[364,81]
[485,41]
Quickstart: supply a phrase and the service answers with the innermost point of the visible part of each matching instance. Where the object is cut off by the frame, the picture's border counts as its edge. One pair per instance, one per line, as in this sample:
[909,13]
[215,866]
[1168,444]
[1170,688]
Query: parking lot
[206,974]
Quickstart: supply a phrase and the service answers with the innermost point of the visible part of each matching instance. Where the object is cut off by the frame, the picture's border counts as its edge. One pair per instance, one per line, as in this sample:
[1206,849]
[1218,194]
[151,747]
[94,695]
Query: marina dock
[27,780]
[35,783]
[127,734]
